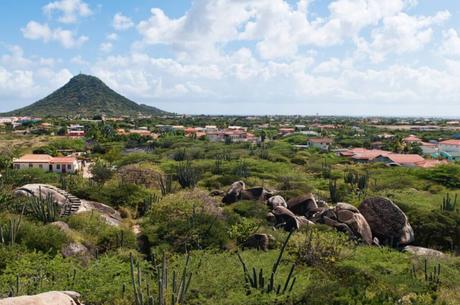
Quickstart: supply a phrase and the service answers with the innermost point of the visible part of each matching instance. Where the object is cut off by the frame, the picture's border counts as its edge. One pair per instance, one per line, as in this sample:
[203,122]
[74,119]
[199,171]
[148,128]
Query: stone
[276,201]
[350,215]
[387,221]
[47,298]
[259,241]
[420,251]
[303,205]
[74,249]
[285,218]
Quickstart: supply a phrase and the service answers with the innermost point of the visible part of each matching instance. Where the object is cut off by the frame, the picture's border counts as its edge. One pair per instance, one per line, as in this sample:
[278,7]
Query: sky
[337,57]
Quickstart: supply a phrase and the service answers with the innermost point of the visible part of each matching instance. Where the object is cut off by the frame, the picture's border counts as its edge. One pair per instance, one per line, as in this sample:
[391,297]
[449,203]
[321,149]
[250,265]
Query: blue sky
[350,57]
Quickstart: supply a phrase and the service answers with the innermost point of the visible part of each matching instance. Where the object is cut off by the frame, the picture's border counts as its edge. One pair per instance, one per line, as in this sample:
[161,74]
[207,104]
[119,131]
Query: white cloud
[37,31]
[106,47]
[112,36]
[400,34]
[451,43]
[69,10]
[121,22]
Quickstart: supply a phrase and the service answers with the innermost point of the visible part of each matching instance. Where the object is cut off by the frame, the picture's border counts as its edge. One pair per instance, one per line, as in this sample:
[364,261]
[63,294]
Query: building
[286,131]
[429,148]
[48,163]
[406,160]
[321,143]
[449,146]
[412,139]
[76,131]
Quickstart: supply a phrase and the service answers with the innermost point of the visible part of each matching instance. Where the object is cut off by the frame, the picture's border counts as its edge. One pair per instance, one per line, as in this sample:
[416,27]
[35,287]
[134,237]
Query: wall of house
[449,148]
[429,150]
[69,167]
[20,165]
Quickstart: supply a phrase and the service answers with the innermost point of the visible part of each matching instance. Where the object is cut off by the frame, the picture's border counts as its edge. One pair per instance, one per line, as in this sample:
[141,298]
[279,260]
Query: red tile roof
[34,159]
[61,160]
[405,159]
[451,142]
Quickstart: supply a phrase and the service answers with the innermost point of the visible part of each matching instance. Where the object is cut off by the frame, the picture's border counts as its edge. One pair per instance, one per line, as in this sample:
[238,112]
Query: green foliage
[257,280]
[447,175]
[101,172]
[187,175]
[448,204]
[44,209]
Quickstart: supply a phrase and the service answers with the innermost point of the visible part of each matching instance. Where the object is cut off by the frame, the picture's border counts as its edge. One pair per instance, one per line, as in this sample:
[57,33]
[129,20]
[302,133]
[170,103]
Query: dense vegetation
[163,187]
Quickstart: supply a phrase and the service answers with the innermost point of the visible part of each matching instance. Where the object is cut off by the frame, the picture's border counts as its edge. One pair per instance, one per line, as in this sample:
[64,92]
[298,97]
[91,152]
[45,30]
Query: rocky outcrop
[387,221]
[284,218]
[259,241]
[69,204]
[47,298]
[349,215]
[75,250]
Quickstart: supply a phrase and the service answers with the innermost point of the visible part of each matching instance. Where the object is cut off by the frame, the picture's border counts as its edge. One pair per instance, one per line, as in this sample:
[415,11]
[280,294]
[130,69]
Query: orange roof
[63,160]
[321,140]
[427,144]
[405,159]
[412,138]
[451,142]
[34,159]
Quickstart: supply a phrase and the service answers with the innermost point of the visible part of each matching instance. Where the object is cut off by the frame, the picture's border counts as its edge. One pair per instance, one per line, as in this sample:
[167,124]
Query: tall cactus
[177,291]
[448,204]
[45,209]
[255,279]
[9,233]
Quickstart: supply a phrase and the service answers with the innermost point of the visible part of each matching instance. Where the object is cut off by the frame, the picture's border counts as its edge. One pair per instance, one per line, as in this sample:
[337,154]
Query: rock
[64,198]
[271,217]
[285,218]
[349,215]
[62,226]
[216,193]
[387,221]
[276,201]
[303,205]
[238,192]
[259,241]
[74,249]
[47,298]
[420,251]
[234,192]
[322,204]
[303,221]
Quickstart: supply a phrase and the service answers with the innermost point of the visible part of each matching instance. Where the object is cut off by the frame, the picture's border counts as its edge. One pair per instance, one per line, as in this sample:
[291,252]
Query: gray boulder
[259,241]
[350,215]
[276,201]
[75,250]
[387,221]
[303,205]
[420,251]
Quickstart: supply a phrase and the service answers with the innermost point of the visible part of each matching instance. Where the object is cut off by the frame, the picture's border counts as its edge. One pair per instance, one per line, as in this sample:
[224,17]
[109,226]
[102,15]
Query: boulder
[276,201]
[259,241]
[74,249]
[420,251]
[303,205]
[349,215]
[285,218]
[47,298]
[65,199]
[238,191]
[234,192]
[387,221]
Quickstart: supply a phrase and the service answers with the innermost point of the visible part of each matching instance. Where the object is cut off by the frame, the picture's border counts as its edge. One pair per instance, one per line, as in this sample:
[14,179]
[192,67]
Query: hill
[87,96]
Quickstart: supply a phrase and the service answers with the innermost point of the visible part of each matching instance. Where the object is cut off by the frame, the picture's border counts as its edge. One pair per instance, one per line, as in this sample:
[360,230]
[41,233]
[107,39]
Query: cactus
[147,204]
[179,287]
[217,169]
[432,279]
[256,280]
[333,193]
[9,234]
[165,183]
[45,209]
[362,183]
[326,170]
[242,170]
[187,175]
[448,204]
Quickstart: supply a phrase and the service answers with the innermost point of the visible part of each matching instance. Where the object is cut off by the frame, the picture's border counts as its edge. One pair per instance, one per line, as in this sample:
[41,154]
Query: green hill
[86,96]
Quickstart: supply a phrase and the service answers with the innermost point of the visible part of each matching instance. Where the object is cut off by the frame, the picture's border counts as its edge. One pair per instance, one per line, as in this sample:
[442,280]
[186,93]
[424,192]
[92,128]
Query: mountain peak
[85,95]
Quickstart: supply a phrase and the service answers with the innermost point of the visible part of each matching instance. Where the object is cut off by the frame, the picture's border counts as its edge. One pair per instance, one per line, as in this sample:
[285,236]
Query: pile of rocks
[376,221]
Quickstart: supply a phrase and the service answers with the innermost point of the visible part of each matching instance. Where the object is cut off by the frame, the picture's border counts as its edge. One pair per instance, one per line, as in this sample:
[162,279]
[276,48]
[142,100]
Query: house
[76,131]
[48,163]
[406,160]
[321,143]
[429,148]
[286,131]
[412,139]
[449,146]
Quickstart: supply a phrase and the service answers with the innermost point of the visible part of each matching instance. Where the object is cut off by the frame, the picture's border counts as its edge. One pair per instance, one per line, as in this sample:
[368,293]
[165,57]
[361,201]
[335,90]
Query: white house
[429,148]
[321,143]
[48,163]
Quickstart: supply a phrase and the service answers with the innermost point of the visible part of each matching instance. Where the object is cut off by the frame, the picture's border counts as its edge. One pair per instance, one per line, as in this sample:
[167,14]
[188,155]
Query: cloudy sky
[351,57]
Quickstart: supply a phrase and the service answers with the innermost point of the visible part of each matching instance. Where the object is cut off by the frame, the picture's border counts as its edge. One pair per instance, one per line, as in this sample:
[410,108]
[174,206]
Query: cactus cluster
[449,204]
[45,209]
[326,170]
[358,183]
[187,175]
[431,278]
[176,292]
[9,232]
[256,279]
[333,191]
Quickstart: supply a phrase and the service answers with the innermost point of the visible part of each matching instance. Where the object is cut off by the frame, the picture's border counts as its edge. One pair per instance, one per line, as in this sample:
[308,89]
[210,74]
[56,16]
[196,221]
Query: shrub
[187,175]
